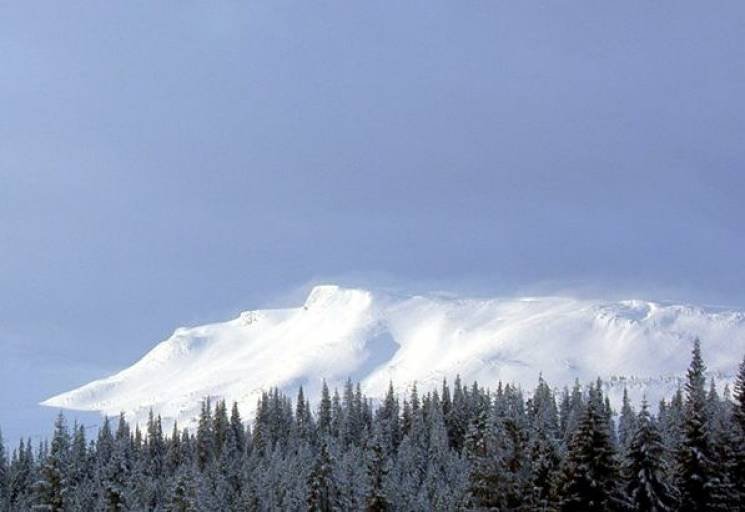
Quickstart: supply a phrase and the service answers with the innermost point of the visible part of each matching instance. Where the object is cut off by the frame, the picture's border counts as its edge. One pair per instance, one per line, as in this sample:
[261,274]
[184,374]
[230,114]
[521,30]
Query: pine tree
[723,451]
[457,418]
[239,430]
[183,495]
[626,422]
[174,456]
[376,463]
[104,445]
[513,457]
[483,451]
[545,462]
[694,479]
[647,487]
[53,485]
[738,416]
[590,474]
[153,465]
[3,475]
[303,417]
[543,447]
[81,496]
[21,477]
[115,477]
[388,419]
[351,427]
[542,410]
[220,426]
[322,488]
[205,437]
[671,419]
[228,485]
[324,411]
[351,479]
[445,478]
[337,415]
[261,439]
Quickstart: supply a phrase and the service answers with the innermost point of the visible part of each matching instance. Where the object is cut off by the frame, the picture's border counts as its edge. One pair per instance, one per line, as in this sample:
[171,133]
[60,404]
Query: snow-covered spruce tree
[542,409]
[545,459]
[738,415]
[722,437]
[571,408]
[322,487]
[545,465]
[150,466]
[647,486]
[208,496]
[483,452]
[115,478]
[590,470]
[337,415]
[407,472]
[695,481]
[81,495]
[457,417]
[104,448]
[261,438]
[303,417]
[21,476]
[324,410]
[671,421]
[229,464]
[382,459]
[446,474]
[626,422]
[350,477]
[351,417]
[220,426]
[252,481]
[52,487]
[388,419]
[183,494]
[174,452]
[3,475]
[515,448]
[376,460]
[205,437]
[238,428]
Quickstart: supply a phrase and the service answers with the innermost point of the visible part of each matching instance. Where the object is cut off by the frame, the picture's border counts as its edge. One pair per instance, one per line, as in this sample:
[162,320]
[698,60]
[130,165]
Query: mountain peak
[347,332]
[326,294]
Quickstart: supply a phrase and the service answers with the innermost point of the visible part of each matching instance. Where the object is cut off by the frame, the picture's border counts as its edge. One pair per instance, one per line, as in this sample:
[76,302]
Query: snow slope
[374,338]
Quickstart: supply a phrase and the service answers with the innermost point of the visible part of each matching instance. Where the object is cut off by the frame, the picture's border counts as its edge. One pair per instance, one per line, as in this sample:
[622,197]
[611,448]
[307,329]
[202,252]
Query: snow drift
[376,338]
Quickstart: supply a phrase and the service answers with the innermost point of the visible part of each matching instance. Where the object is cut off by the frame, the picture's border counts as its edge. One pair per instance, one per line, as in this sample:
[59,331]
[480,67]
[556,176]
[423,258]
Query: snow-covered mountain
[375,338]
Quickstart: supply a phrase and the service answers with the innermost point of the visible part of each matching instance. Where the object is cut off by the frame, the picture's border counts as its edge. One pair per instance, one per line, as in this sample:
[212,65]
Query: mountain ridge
[376,338]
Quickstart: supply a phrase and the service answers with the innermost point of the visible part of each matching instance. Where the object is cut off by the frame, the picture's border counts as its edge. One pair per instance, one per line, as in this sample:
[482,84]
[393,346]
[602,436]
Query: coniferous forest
[458,448]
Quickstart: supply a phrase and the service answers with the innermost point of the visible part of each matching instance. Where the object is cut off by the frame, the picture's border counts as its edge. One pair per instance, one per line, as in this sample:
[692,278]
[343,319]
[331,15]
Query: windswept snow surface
[376,338]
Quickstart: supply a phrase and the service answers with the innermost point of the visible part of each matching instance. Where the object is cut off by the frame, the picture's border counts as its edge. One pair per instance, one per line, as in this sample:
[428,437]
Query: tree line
[457,448]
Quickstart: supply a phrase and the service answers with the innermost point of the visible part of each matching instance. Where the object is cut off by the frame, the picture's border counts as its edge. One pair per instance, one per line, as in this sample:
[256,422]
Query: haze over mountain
[376,338]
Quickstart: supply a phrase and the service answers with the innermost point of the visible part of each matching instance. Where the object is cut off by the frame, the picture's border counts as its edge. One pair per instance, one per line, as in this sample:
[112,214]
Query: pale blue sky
[170,163]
